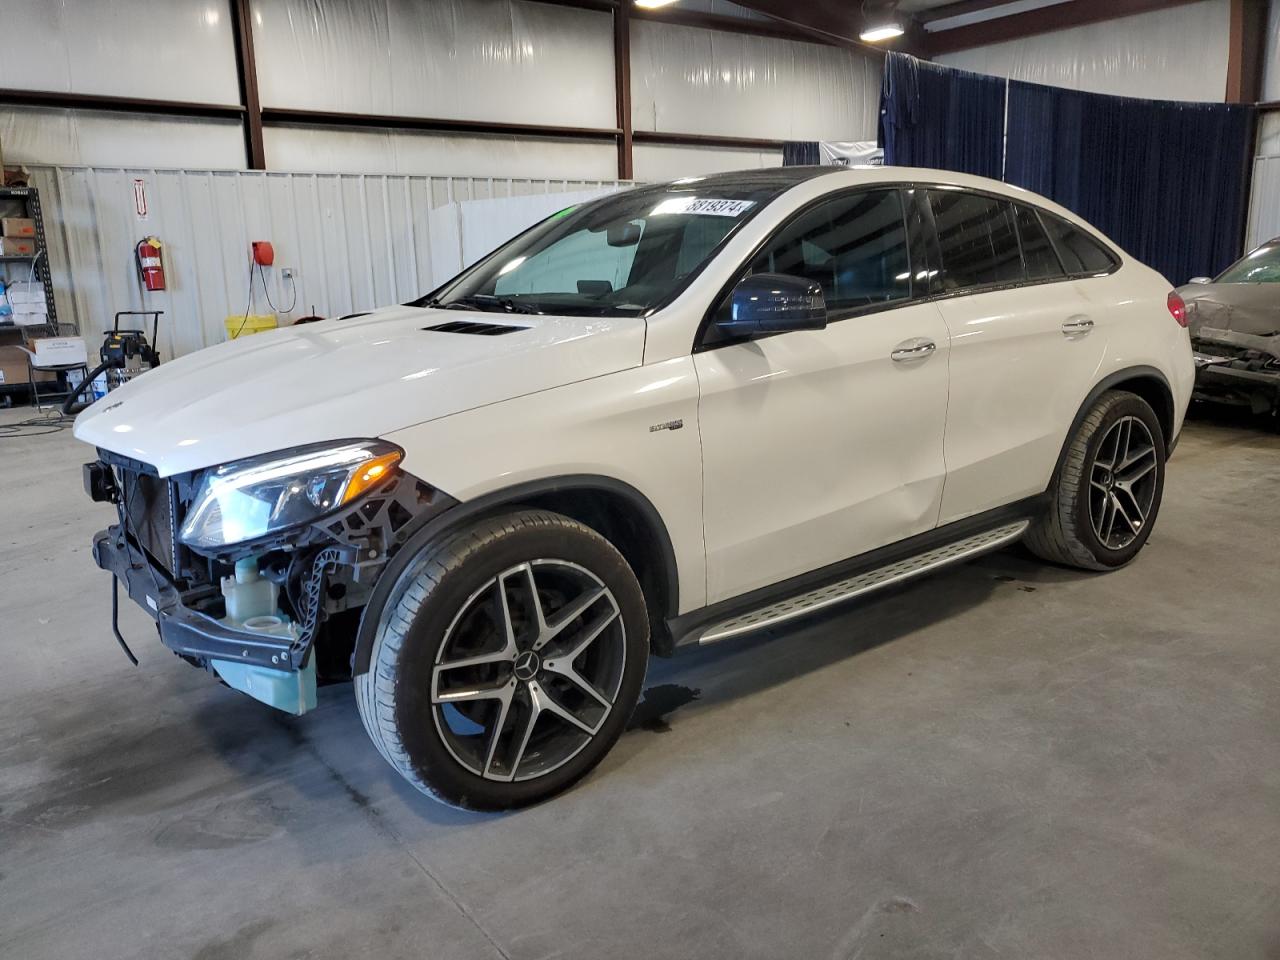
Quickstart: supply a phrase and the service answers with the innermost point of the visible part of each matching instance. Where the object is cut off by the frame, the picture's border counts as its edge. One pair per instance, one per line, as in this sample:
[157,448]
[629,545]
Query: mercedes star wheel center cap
[527,665]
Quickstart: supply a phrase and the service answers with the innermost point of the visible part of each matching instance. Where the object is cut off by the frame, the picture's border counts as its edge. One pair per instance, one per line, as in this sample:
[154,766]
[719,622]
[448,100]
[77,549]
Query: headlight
[264,495]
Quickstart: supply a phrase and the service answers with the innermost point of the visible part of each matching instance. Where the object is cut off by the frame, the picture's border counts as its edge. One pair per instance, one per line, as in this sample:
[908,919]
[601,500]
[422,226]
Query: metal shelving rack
[25,202]
[29,198]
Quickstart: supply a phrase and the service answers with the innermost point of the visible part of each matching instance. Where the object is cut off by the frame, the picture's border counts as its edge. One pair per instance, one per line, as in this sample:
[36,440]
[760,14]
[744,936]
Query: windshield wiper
[484,301]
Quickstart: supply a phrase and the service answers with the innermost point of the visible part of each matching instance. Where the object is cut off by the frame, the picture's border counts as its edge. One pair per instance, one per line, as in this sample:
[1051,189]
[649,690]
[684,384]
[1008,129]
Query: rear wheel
[506,662]
[1107,492]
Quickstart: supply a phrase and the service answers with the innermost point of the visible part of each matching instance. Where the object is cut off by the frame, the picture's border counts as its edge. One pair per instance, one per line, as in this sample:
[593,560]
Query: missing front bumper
[268,668]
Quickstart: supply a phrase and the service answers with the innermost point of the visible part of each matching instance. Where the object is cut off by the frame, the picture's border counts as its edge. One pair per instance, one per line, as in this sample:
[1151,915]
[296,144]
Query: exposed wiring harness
[262,275]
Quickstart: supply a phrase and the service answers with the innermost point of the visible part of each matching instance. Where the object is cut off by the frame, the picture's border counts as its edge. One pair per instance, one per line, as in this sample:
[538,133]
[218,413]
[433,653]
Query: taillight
[1177,308]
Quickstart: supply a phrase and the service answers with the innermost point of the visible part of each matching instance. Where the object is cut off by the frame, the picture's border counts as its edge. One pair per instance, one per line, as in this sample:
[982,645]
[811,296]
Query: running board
[855,586]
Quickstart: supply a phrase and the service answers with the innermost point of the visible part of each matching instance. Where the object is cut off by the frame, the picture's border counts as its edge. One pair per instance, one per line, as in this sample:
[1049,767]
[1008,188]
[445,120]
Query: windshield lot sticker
[705,206]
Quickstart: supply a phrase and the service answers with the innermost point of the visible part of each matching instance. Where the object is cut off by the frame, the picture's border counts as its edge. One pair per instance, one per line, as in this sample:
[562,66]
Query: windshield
[1260,266]
[620,256]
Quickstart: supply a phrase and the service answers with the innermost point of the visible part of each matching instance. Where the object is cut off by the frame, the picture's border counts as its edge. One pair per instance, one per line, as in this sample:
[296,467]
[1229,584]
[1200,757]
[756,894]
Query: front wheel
[506,661]
[1107,491]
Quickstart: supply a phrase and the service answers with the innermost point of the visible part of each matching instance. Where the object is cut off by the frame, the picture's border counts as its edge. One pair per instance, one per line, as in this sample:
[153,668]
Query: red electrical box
[264,255]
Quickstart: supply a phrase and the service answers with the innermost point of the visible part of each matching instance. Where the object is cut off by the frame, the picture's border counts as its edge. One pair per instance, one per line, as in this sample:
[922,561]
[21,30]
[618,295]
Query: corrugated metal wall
[356,242]
[1264,201]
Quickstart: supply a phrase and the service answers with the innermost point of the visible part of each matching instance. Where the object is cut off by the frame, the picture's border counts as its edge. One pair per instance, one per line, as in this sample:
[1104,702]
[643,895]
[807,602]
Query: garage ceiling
[943,26]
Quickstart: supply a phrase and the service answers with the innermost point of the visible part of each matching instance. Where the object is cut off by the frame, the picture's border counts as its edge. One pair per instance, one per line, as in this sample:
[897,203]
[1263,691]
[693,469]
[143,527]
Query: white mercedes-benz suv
[669,416]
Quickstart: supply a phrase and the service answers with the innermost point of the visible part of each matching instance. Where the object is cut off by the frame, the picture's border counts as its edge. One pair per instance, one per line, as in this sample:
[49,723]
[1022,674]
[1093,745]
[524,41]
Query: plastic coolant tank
[252,601]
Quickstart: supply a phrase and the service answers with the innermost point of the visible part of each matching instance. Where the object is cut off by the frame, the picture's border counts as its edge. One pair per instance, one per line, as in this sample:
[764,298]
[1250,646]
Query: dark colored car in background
[1234,320]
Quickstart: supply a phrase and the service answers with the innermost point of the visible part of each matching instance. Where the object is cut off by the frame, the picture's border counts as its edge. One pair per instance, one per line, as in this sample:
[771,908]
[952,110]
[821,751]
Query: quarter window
[1037,250]
[1080,253]
[854,246]
[977,240]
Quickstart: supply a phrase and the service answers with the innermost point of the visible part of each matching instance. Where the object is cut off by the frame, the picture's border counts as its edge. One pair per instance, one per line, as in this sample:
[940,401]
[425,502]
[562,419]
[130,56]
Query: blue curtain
[933,116]
[801,153]
[1165,180]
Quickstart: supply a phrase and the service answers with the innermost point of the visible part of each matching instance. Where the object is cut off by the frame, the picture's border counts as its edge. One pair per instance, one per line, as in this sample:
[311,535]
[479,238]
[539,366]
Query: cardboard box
[57,351]
[17,247]
[13,368]
[17,227]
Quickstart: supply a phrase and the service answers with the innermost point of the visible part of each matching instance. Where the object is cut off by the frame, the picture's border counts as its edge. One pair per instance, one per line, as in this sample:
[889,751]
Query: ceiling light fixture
[880,21]
[881,31]
[652,4]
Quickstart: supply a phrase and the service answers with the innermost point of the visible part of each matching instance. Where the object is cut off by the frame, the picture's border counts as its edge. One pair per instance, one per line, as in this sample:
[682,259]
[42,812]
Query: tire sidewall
[430,758]
[1128,405]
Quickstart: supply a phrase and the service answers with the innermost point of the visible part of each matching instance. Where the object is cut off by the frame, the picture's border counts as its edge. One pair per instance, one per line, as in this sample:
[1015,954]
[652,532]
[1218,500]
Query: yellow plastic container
[242,326]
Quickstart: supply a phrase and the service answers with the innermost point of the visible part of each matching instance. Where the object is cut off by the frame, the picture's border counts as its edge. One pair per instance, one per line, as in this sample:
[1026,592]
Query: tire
[1092,478]
[445,672]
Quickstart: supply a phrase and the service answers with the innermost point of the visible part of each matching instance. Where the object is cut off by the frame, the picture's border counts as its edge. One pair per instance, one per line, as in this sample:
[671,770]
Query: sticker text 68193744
[719,208]
[705,206]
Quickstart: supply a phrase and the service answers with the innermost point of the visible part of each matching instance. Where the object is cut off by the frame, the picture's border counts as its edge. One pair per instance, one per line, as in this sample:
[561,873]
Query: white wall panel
[501,60]
[656,162]
[43,135]
[1271,65]
[1264,200]
[173,50]
[312,149]
[691,80]
[357,242]
[1264,215]
[1179,53]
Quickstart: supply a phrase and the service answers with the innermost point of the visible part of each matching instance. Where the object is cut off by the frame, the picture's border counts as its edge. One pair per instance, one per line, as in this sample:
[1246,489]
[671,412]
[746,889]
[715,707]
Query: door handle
[916,348]
[1076,325]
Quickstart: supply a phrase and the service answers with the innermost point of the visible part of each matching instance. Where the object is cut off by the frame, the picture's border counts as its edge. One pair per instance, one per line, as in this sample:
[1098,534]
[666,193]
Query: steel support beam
[336,118]
[707,140]
[94,101]
[247,77]
[622,90]
[1246,50]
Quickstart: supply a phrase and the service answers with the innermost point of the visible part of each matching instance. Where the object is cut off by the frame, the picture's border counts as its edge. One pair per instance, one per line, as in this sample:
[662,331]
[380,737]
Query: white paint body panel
[344,379]
[1016,382]
[817,446]
[597,427]
[795,451]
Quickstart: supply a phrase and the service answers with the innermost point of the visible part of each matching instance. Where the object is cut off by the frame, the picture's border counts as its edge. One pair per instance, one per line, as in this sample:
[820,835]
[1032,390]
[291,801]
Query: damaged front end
[1236,346]
[274,613]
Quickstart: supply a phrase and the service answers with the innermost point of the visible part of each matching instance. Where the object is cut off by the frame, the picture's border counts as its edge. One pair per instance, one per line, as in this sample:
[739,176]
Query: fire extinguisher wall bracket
[150,264]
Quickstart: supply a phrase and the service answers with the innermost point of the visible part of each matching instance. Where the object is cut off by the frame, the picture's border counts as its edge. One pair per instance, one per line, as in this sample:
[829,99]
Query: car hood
[353,378]
[1252,309]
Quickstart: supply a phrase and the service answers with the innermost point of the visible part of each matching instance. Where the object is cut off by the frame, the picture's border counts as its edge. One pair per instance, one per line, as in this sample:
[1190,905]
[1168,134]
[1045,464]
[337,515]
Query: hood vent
[476,329]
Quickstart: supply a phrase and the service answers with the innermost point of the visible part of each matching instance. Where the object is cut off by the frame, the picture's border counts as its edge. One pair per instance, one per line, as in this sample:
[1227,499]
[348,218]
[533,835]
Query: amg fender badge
[669,425]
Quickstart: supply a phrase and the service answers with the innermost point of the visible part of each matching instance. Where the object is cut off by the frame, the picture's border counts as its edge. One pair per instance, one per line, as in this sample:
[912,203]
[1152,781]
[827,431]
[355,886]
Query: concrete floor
[1004,760]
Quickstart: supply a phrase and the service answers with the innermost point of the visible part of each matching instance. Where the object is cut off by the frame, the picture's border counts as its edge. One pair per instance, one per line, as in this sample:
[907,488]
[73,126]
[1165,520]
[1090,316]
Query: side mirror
[1201,280]
[774,303]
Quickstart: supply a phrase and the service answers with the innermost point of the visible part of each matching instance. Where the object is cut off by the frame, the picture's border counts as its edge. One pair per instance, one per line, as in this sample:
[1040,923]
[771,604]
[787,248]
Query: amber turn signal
[371,473]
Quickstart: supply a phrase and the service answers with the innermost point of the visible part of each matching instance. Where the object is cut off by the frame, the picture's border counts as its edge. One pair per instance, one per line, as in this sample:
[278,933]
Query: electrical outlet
[286,273]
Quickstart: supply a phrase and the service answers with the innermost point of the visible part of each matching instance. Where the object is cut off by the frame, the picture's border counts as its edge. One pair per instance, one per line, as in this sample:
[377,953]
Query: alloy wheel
[1122,483]
[529,670]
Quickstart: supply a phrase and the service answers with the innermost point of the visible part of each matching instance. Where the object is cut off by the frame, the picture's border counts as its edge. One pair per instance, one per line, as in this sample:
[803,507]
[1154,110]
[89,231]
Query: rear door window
[1080,253]
[977,240]
[1037,250]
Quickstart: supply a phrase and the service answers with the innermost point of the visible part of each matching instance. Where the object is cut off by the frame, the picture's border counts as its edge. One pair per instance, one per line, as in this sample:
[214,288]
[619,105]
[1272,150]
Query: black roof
[760,183]
[780,178]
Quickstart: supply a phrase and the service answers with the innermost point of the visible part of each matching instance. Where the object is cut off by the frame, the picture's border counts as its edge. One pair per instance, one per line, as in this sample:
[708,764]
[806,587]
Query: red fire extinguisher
[150,266]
